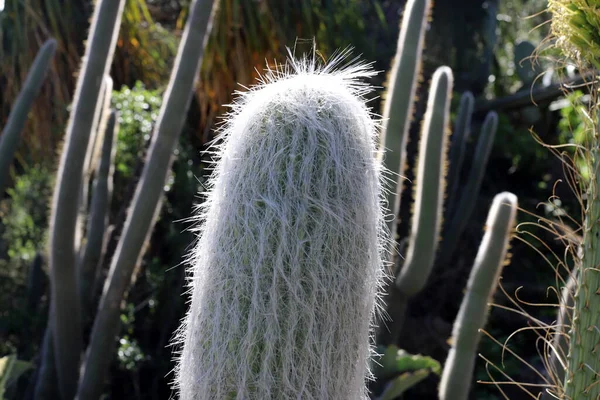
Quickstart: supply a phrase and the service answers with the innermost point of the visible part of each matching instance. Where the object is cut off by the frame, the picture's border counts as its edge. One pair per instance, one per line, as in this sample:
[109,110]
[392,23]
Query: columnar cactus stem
[18,115]
[147,198]
[430,185]
[468,198]
[399,101]
[460,137]
[582,380]
[491,257]
[575,28]
[66,322]
[427,214]
[98,221]
[289,259]
[91,159]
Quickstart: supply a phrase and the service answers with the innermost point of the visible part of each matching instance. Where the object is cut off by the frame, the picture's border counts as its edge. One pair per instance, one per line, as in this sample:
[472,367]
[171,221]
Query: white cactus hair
[287,272]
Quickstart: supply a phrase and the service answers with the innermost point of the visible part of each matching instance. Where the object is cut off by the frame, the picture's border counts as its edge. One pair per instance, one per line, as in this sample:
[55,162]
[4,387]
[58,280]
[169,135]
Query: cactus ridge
[289,260]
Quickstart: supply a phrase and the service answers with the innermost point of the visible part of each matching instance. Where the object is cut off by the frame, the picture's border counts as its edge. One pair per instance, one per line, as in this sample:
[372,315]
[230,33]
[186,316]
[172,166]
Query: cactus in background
[289,259]
[399,102]
[66,323]
[526,70]
[468,197]
[429,188]
[147,199]
[412,274]
[460,137]
[101,195]
[91,159]
[458,370]
[18,115]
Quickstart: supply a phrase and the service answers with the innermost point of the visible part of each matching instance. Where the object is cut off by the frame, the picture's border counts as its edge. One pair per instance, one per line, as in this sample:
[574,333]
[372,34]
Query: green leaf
[10,370]
[410,362]
[395,361]
[402,383]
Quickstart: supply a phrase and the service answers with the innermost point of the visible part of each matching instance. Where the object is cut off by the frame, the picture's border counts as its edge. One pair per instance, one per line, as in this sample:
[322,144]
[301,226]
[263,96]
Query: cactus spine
[289,258]
[66,323]
[458,370]
[147,197]
[557,360]
[429,189]
[18,115]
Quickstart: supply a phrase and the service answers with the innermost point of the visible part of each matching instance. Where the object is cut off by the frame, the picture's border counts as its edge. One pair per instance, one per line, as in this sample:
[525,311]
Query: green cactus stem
[429,187]
[468,198]
[582,380]
[99,207]
[147,198]
[290,256]
[427,214]
[472,316]
[399,102]
[45,384]
[460,137]
[11,133]
[91,159]
[66,322]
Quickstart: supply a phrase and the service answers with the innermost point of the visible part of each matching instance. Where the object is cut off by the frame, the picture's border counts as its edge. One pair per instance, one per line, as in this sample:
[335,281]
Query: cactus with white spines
[289,260]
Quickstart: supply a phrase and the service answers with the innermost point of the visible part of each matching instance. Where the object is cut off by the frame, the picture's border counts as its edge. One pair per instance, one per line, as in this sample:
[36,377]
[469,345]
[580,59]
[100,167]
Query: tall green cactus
[399,100]
[289,259]
[460,137]
[66,324]
[9,140]
[429,188]
[461,215]
[98,220]
[575,28]
[147,198]
[413,273]
[582,378]
[458,370]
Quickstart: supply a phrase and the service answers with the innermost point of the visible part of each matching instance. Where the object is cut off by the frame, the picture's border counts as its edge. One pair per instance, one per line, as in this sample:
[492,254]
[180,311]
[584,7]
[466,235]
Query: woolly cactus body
[289,260]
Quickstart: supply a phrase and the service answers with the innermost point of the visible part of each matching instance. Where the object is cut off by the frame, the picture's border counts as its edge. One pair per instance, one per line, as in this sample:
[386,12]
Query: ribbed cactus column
[575,28]
[430,186]
[582,380]
[148,196]
[460,137]
[66,328]
[399,104]
[472,316]
[288,264]
[9,140]
[468,196]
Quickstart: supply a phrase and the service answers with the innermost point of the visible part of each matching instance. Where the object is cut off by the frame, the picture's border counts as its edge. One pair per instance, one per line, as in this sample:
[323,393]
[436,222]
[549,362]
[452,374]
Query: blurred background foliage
[476,38]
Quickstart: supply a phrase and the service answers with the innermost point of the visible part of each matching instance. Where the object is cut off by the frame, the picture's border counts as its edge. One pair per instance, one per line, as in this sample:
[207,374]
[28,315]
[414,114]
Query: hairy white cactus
[288,265]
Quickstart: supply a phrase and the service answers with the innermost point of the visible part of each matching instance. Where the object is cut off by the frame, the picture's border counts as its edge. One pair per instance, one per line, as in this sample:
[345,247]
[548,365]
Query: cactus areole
[288,265]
